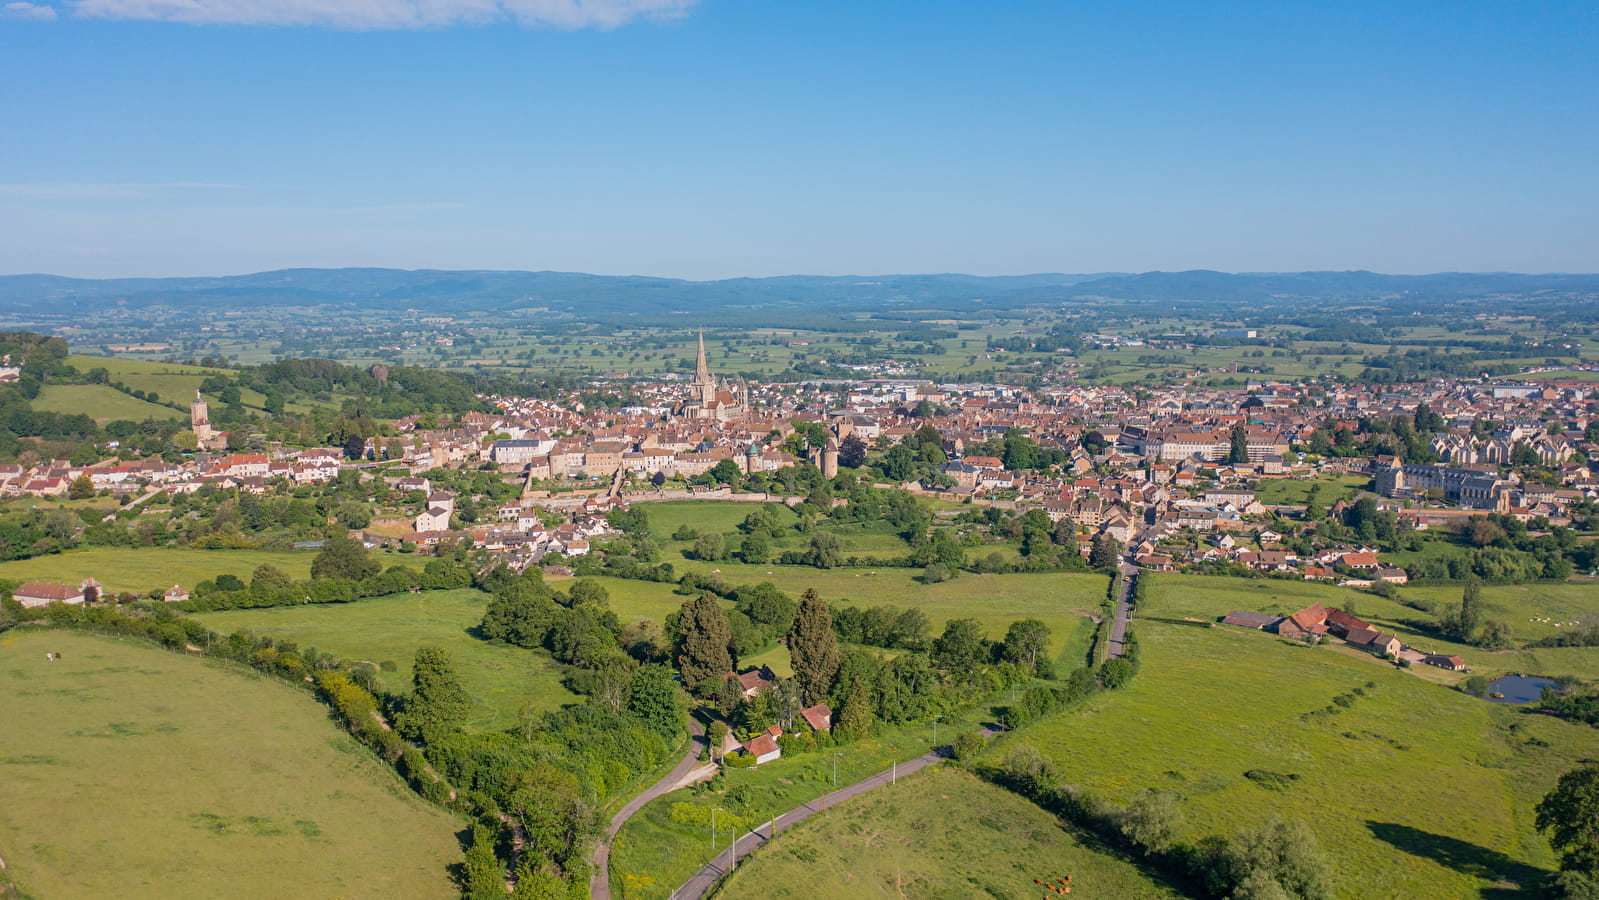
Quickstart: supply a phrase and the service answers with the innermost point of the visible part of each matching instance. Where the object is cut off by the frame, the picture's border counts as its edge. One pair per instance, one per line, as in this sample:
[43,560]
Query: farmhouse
[756,680]
[1374,641]
[34,594]
[1312,620]
[1452,663]
[764,746]
[819,717]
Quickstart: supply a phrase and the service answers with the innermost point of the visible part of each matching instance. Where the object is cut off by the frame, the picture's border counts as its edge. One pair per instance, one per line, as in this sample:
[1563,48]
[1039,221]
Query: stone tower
[703,382]
[200,419]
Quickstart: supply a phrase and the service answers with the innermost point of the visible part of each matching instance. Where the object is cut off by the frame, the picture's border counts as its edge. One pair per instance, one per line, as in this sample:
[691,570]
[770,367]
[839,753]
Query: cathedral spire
[702,369]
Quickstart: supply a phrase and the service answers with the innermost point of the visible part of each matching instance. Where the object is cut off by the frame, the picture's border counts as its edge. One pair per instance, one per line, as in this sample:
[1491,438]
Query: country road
[600,882]
[1124,611]
[743,845]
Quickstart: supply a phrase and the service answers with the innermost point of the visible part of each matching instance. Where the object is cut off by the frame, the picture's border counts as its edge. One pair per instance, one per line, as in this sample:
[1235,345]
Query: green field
[142,570]
[1207,598]
[724,517]
[1297,491]
[128,771]
[171,381]
[1431,789]
[942,833]
[101,403]
[1060,600]
[502,679]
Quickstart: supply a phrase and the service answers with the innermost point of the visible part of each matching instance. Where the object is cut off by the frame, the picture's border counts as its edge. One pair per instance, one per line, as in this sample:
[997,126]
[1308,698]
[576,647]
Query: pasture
[101,403]
[1060,600]
[940,833]
[502,679]
[1431,789]
[128,771]
[142,570]
[1207,598]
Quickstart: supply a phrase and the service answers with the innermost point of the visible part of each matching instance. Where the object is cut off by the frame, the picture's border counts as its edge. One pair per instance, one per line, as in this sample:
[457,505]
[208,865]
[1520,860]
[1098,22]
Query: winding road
[743,845]
[600,881]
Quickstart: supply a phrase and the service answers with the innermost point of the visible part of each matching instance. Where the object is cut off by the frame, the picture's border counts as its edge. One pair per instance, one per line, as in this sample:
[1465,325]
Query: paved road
[706,878]
[600,882]
[1124,612]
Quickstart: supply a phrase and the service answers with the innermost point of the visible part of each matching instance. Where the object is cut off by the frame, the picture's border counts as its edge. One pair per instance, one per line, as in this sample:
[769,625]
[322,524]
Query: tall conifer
[813,647]
[704,643]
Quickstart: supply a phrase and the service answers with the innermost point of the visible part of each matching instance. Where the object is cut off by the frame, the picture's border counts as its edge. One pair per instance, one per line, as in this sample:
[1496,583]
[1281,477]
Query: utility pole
[935,730]
[713,826]
[835,770]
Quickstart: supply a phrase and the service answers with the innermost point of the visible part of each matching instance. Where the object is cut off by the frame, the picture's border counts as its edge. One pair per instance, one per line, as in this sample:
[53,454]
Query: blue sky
[757,137]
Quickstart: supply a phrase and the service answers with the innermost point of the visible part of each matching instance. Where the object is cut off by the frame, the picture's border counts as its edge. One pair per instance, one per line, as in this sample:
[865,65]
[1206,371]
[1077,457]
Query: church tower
[703,382]
[200,419]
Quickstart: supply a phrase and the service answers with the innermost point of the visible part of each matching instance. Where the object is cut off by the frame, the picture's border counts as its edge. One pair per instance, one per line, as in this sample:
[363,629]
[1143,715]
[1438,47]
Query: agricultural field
[502,679]
[1431,789]
[128,771]
[941,833]
[145,569]
[102,403]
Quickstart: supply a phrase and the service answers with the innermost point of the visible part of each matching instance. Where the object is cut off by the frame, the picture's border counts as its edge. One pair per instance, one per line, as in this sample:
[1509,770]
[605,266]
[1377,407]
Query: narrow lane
[743,845]
[600,881]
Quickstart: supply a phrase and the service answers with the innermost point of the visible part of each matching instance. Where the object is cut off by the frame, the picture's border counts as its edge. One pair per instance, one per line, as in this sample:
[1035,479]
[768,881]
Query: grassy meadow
[941,833]
[502,679]
[1206,597]
[101,403]
[1328,489]
[1061,600]
[128,771]
[1430,789]
[144,569]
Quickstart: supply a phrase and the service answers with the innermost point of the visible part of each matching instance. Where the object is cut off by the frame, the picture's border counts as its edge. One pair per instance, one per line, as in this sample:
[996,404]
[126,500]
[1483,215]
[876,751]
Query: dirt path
[600,883]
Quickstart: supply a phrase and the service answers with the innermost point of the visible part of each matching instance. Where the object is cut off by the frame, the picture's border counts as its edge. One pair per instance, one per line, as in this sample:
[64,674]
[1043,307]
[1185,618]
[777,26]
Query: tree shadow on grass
[1511,877]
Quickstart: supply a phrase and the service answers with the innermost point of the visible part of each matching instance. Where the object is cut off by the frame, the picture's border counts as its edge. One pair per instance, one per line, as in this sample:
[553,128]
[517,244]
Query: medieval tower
[200,419]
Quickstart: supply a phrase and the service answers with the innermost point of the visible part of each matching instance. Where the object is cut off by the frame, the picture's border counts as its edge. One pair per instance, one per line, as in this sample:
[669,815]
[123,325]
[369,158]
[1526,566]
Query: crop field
[941,833]
[1432,789]
[128,771]
[502,679]
[142,570]
[102,403]
[1207,598]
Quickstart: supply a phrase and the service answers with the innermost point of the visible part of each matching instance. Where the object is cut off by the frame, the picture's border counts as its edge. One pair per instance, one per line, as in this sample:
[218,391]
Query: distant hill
[447,291]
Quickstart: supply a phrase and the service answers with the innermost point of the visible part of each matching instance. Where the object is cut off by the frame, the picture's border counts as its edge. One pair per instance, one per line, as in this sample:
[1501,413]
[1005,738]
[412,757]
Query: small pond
[1519,688]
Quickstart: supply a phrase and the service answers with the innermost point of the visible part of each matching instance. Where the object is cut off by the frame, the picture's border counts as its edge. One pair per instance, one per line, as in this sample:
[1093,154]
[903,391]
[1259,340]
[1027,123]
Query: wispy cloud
[375,14]
[30,12]
[79,190]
